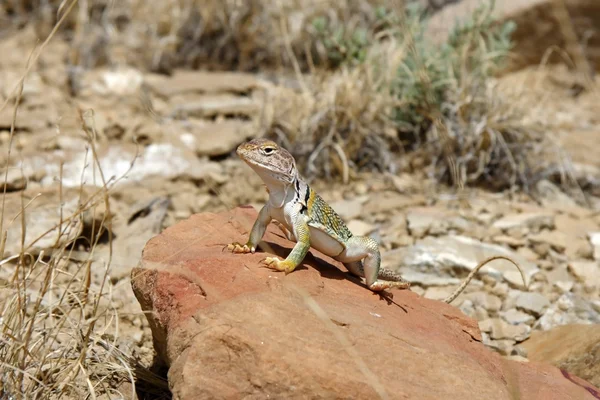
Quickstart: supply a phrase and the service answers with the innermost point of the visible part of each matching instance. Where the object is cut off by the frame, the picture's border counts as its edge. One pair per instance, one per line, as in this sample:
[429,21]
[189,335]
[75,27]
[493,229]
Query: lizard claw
[278,265]
[240,248]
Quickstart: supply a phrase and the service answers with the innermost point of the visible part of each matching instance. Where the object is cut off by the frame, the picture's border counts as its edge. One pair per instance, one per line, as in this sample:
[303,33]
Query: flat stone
[443,254]
[564,287]
[595,241]
[503,346]
[569,309]
[438,292]
[587,272]
[533,221]
[230,132]
[213,105]
[424,279]
[509,240]
[556,239]
[360,228]
[347,209]
[532,302]
[42,220]
[516,317]
[499,329]
[485,300]
[184,81]
[423,219]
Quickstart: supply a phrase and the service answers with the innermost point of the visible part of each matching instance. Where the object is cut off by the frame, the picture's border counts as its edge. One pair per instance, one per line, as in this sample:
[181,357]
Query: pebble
[533,221]
[569,309]
[485,300]
[360,228]
[347,209]
[503,347]
[516,317]
[587,272]
[595,241]
[555,239]
[532,302]
[499,329]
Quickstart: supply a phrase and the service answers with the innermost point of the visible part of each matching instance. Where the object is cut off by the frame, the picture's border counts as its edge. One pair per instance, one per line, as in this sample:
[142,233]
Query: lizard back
[322,213]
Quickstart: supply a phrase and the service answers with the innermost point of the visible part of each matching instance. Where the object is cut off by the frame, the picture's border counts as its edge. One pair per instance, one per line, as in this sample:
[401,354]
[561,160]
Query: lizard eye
[269,150]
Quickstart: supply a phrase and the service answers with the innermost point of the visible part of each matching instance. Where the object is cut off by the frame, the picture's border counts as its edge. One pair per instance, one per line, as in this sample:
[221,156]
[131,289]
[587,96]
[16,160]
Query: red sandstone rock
[574,348]
[228,328]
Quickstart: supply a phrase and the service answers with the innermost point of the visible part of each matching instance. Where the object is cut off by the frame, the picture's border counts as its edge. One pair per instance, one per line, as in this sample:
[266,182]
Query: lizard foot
[240,248]
[382,285]
[278,265]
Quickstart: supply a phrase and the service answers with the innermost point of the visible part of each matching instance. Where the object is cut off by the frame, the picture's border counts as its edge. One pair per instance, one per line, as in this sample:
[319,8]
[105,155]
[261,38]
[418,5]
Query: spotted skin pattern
[321,212]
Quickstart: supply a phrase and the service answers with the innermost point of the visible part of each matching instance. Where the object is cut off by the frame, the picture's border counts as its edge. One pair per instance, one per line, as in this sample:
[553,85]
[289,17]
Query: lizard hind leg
[366,249]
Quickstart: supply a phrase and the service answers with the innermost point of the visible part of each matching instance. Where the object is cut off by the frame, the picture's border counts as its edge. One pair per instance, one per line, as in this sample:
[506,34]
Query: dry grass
[60,328]
[405,104]
[230,34]
[59,325]
[375,94]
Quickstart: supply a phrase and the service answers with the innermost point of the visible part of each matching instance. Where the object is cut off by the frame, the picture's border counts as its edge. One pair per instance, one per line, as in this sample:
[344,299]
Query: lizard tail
[463,285]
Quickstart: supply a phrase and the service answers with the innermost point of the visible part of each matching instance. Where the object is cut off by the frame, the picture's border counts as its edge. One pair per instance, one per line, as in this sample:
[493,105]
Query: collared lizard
[307,219]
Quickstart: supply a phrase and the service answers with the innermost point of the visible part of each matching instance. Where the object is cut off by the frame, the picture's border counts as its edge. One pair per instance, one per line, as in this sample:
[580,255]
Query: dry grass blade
[53,314]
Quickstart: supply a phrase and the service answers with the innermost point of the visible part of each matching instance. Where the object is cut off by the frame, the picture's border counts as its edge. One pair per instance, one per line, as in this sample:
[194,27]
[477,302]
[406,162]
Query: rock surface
[574,348]
[228,328]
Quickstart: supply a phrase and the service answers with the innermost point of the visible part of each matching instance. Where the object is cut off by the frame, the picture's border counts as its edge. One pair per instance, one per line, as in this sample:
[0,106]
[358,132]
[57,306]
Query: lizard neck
[279,193]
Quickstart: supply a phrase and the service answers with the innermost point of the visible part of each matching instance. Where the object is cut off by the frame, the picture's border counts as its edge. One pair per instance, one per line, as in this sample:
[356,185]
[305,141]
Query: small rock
[438,292]
[230,133]
[516,317]
[534,303]
[13,180]
[422,220]
[578,245]
[500,329]
[509,241]
[503,347]
[519,351]
[533,221]
[424,279]
[564,287]
[387,201]
[516,358]
[449,252]
[595,241]
[360,228]
[528,254]
[551,196]
[542,249]
[485,300]
[347,209]
[556,239]
[184,81]
[500,289]
[587,272]
[569,309]
[560,277]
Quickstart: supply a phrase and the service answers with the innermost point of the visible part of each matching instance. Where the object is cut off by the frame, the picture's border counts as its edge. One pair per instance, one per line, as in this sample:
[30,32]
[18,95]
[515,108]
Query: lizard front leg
[302,234]
[366,249]
[256,234]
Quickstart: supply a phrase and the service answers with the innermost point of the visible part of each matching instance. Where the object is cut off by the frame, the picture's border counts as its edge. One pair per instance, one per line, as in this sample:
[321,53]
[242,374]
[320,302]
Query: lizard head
[270,161]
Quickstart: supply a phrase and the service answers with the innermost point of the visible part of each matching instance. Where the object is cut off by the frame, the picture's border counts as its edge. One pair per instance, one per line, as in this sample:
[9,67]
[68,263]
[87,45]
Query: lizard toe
[239,248]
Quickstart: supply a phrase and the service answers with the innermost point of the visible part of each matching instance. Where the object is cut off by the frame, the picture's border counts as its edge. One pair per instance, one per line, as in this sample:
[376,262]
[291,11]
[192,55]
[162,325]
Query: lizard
[304,217]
